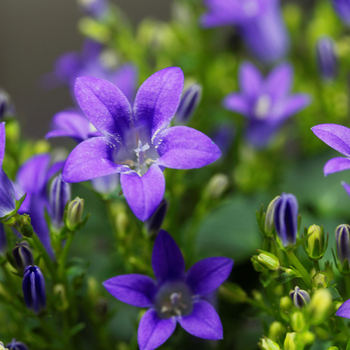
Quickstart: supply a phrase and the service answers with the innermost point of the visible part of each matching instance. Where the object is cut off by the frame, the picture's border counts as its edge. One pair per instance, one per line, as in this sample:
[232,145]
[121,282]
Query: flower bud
[257,267]
[299,297]
[268,344]
[319,306]
[74,213]
[154,223]
[267,260]
[16,345]
[316,244]
[217,186]
[60,193]
[33,287]
[333,348]
[320,281]
[277,331]
[327,58]
[285,304]
[188,104]
[342,239]
[22,255]
[297,321]
[269,218]
[5,104]
[289,342]
[286,219]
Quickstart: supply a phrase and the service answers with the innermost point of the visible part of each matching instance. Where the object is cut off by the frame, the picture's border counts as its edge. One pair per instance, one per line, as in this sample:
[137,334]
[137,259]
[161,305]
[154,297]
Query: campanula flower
[33,286]
[299,297]
[286,218]
[327,58]
[342,239]
[137,142]
[337,137]
[22,255]
[16,345]
[175,296]
[259,22]
[32,178]
[344,310]
[223,136]
[342,8]
[94,8]
[7,191]
[266,103]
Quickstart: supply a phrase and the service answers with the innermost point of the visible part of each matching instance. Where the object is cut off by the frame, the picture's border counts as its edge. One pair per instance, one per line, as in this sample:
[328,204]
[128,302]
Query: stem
[348,346]
[64,254]
[317,266]
[298,265]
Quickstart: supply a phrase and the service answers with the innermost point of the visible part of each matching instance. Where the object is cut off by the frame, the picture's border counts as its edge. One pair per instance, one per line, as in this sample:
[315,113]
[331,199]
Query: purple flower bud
[342,7]
[5,104]
[188,104]
[33,287]
[16,345]
[286,218]
[342,239]
[299,297]
[3,240]
[22,255]
[327,58]
[60,194]
[154,223]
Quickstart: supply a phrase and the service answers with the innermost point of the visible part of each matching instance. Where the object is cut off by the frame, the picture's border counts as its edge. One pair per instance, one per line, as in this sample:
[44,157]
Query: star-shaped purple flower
[266,103]
[337,137]
[175,296]
[259,22]
[137,142]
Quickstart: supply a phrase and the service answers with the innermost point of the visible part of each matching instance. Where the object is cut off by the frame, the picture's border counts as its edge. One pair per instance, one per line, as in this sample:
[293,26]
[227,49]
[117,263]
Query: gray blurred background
[33,34]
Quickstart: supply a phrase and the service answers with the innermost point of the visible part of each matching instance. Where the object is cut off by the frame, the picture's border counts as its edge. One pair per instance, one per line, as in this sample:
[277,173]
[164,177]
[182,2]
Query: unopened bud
[327,58]
[74,213]
[217,186]
[269,218]
[286,304]
[299,297]
[297,321]
[16,345]
[25,225]
[6,106]
[154,223]
[342,239]
[277,331]
[306,338]
[289,342]
[268,344]
[22,255]
[267,260]
[320,281]
[315,244]
[319,306]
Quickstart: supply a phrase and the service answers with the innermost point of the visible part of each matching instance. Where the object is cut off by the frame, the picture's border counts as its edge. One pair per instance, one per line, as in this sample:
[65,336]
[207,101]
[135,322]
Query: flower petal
[158,98]
[237,103]
[104,105]
[208,274]
[125,78]
[279,81]
[182,147]
[167,260]
[335,136]
[7,195]
[133,289]
[2,141]
[153,332]
[336,164]
[250,79]
[344,310]
[204,322]
[91,158]
[143,193]
[346,187]
[291,106]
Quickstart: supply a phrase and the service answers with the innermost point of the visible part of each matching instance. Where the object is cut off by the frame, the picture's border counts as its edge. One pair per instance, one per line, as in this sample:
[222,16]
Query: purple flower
[6,107]
[94,8]
[342,240]
[337,137]
[7,191]
[137,142]
[342,7]
[33,286]
[299,297]
[16,345]
[259,22]
[286,218]
[327,58]
[175,296]
[32,178]
[344,310]
[266,103]
[223,136]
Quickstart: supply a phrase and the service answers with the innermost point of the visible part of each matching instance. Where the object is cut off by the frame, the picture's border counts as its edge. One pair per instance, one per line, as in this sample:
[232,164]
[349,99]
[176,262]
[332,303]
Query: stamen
[262,106]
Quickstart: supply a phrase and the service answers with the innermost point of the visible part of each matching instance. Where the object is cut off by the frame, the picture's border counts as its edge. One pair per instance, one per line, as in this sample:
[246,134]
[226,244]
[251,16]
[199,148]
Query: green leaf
[335,294]
[284,277]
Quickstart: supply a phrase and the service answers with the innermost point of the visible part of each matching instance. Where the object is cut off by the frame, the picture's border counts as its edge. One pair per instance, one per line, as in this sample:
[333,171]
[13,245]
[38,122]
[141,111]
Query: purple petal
[279,81]
[31,176]
[7,195]
[208,274]
[136,290]
[167,260]
[143,193]
[237,103]
[54,169]
[67,66]
[336,164]
[344,310]
[335,136]
[158,98]
[259,133]
[182,147]
[104,105]
[153,332]
[2,141]
[291,106]
[90,159]
[105,184]
[250,79]
[346,187]
[204,322]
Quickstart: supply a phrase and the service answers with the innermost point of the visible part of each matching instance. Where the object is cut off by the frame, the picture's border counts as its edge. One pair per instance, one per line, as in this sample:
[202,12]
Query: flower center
[174,299]
[262,106]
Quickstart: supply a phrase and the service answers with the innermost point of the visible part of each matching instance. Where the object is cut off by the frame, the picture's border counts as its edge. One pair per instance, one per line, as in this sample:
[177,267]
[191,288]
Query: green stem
[64,254]
[298,265]
[317,266]
[348,346]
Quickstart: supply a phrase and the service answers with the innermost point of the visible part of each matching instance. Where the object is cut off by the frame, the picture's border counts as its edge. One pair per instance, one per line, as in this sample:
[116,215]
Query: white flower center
[262,106]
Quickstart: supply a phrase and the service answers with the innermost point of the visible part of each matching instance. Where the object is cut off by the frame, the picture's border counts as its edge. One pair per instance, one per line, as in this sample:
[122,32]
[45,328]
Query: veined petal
[54,169]
[344,310]
[90,159]
[2,141]
[279,81]
[208,274]
[153,332]
[133,289]
[181,147]
[237,103]
[158,98]
[143,193]
[335,136]
[250,79]
[346,187]
[104,105]
[204,322]
[336,164]
[7,195]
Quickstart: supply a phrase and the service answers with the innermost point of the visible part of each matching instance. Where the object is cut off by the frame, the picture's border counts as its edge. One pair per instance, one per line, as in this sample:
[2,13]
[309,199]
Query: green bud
[297,321]
[74,213]
[232,292]
[257,267]
[267,260]
[268,344]
[217,186]
[316,244]
[320,281]
[289,342]
[277,331]
[25,225]
[269,218]
[333,348]
[286,304]
[306,338]
[320,306]
[257,296]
